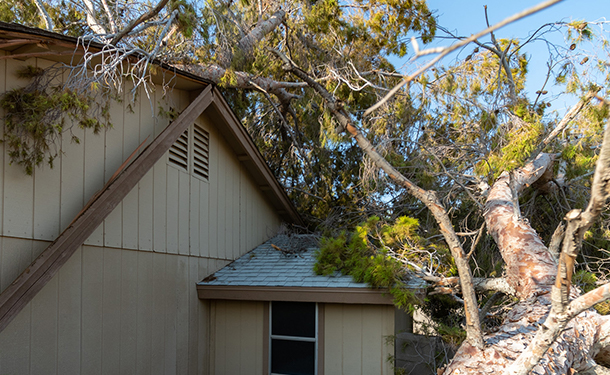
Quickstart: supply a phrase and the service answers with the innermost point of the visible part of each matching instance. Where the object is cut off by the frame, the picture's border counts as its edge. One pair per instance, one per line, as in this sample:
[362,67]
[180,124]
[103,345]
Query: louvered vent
[178,153]
[201,152]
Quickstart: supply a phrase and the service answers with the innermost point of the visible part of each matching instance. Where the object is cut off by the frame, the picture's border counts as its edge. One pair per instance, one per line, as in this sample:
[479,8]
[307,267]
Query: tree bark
[246,45]
[427,197]
[533,336]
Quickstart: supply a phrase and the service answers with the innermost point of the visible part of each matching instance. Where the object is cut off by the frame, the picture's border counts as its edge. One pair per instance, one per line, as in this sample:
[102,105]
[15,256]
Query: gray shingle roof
[267,266]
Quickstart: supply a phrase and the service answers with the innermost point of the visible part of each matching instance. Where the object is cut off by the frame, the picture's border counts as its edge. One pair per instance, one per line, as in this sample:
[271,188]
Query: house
[280,317]
[100,256]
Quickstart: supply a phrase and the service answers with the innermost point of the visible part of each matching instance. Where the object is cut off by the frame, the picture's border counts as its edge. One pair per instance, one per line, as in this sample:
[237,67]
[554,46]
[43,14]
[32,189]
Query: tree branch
[242,80]
[530,268]
[567,118]
[562,312]
[248,42]
[446,50]
[143,18]
[48,22]
[429,198]
[92,20]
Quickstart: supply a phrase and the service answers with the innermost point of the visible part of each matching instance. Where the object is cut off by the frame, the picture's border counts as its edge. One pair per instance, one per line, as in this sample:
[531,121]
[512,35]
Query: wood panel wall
[126,302]
[236,337]
[355,339]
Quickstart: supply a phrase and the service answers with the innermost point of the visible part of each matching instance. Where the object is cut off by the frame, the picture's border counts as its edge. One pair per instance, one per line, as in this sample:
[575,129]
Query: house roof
[280,271]
[268,266]
[23,42]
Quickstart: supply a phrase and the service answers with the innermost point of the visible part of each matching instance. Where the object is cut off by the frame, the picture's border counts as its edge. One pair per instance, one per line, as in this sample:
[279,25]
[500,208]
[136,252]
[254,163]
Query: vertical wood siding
[126,302]
[355,339]
[236,340]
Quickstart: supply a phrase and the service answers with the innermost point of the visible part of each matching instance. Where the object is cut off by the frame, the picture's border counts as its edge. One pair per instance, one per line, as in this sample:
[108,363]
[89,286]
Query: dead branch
[561,310]
[92,21]
[562,125]
[429,198]
[48,22]
[446,285]
[446,50]
[249,41]
[143,18]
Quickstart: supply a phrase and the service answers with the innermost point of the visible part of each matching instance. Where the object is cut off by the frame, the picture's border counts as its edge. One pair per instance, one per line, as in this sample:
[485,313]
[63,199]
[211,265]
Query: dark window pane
[292,357]
[293,319]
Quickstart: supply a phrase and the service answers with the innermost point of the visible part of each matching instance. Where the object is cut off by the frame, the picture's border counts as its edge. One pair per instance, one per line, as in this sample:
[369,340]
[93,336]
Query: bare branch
[588,300]
[92,21]
[481,284]
[143,18]
[429,198]
[457,45]
[48,22]
[248,42]
[110,16]
[567,118]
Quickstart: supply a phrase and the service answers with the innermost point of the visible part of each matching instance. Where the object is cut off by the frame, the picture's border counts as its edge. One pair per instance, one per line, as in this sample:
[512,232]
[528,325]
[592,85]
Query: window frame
[318,339]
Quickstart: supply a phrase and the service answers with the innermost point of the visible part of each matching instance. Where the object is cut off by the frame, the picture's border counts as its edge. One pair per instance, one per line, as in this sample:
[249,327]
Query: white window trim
[293,338]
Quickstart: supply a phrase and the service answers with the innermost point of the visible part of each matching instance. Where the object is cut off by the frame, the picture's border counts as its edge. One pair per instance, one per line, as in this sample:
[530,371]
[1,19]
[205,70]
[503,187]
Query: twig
[143,18]
[459,44]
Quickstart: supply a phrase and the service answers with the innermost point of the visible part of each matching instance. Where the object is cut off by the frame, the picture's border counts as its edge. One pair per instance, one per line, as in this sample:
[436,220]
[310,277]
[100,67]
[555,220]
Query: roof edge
[361,296]
[274,190]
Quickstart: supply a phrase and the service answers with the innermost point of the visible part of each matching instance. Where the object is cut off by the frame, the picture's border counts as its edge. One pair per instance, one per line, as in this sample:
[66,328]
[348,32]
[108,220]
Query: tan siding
[204,220]
[113,225]
[194,208]
[46,196]
[18,188]
[92,316]
[111,311]
[221,197]
[15,344]
[131,141]
[355,339]
[116,307]
[69,316]
[43,349]
[213,194]
[184,203]
[144,325]
[16,256]
[129,311]
[145,187]
[158,320]
[237,346]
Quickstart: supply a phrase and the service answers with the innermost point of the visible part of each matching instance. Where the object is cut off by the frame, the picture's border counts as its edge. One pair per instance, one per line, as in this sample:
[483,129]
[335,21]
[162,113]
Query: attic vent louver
[178,153]
[201,152]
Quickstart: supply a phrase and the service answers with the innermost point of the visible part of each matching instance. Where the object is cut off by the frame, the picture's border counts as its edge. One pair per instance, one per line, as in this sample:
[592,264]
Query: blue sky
[466,17]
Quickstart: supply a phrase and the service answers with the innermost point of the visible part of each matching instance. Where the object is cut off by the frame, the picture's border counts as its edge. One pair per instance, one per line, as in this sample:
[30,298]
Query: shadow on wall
[419,354]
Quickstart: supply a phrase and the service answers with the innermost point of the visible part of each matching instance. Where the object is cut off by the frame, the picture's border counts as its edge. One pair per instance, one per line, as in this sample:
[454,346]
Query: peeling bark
[530,268]
[545,333]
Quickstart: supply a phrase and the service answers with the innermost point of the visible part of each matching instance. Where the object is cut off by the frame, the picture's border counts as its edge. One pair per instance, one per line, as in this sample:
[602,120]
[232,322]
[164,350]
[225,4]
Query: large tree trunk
[531,270]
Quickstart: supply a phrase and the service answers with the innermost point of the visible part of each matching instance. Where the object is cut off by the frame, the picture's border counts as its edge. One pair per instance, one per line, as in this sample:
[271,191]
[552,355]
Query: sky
[466,17]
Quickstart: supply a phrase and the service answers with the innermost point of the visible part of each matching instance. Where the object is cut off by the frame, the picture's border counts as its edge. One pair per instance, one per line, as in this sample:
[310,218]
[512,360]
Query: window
[191,152]
[293,338]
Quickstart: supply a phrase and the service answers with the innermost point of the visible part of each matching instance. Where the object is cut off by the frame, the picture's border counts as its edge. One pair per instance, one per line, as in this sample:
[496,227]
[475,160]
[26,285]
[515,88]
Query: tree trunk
[531,270]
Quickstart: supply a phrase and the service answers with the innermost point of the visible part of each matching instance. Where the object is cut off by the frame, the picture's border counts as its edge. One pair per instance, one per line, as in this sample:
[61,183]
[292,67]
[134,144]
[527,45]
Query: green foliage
[35,117]
[363,254]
